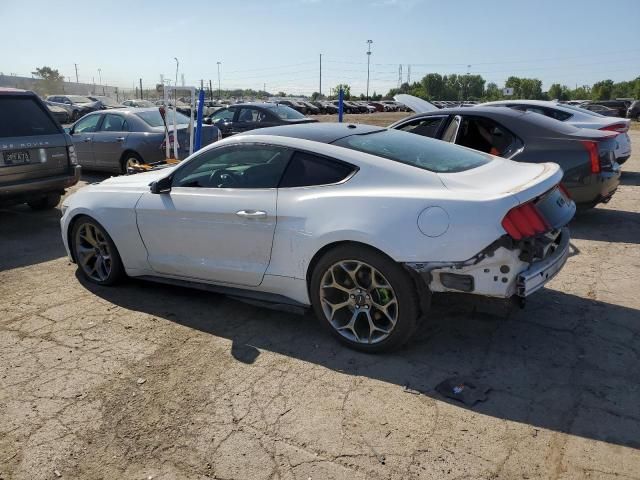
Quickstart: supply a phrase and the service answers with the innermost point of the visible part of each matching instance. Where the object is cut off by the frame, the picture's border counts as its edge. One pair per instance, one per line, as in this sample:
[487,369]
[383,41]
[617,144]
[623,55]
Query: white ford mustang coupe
[359,222]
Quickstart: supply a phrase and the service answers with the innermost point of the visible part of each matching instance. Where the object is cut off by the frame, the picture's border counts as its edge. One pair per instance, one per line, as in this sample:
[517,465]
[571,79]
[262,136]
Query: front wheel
[95,253]
[365,299]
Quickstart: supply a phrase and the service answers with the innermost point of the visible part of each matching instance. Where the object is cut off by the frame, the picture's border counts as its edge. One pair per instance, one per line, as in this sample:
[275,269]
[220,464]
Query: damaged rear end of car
[532,239]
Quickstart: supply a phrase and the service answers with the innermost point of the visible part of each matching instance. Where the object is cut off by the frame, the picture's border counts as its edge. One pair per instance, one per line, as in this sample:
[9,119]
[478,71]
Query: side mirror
[161,186]
[207,120]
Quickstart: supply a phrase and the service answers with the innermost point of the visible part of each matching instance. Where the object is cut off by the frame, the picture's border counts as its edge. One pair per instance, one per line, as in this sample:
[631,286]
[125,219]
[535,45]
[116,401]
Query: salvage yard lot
[145,380]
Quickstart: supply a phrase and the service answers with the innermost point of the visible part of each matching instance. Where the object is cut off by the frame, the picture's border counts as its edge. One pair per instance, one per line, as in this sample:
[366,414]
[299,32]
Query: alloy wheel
[131,162]
[358,301]
[93,252]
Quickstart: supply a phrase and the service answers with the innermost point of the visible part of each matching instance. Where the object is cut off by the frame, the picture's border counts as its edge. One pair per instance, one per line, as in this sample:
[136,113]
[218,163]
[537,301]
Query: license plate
[19,157]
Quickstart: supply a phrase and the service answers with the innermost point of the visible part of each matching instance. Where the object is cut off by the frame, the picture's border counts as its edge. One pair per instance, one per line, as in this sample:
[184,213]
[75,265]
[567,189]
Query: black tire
[116,270]
[401,283]
[47,202]
[127,158]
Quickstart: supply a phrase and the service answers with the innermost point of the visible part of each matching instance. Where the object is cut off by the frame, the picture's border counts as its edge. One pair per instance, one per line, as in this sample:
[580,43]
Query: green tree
[602,90]
[345,88]
[492,92]
[50,80]
[433,86]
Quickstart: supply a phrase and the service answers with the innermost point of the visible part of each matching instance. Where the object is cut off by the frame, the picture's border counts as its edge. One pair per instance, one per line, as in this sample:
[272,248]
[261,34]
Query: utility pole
[369,42]
[76,65]
[210,91]
[264,87]
[219,63]
[100,76]
[141,96]
[399,75]
[320,89]
[409,74]
[177,65]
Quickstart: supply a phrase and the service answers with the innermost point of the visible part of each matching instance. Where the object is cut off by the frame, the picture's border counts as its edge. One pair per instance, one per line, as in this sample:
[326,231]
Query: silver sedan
[115,140]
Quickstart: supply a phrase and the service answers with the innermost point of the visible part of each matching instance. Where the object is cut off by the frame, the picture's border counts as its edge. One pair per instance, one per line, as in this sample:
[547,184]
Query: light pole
[177,65]
[369,42]
[100,76]
[219,63]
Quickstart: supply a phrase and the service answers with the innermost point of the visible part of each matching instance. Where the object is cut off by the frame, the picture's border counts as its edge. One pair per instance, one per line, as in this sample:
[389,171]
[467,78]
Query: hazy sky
[277,42]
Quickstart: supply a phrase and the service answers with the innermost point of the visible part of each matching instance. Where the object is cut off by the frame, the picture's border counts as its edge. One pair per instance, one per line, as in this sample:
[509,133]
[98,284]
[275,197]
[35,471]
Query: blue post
[198,141]
[340,105]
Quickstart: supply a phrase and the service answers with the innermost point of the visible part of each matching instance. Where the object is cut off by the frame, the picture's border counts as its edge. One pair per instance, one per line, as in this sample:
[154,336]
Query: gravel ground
[146,381]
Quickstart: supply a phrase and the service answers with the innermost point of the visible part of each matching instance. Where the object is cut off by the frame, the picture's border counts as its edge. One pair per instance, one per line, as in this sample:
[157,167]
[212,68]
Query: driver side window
[235,167]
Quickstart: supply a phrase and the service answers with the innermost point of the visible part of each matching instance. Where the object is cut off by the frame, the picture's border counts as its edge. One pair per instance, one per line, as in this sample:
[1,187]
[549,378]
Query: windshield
[154,119]
[79,99]
[285,112]
[416,150]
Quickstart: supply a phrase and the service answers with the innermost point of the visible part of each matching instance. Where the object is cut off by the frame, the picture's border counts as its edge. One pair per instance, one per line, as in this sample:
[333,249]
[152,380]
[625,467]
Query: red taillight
[564,190]
[524,221]
[594,157]
[616,127]
[164,142]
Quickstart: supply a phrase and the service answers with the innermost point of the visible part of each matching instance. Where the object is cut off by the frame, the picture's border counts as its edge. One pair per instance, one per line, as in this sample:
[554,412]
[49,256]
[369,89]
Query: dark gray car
[586,156]
[114,140]
[37,159]
[76,105]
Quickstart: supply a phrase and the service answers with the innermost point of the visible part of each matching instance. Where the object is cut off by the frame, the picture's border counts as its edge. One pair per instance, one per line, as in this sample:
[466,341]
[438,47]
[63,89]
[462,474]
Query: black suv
[37,158]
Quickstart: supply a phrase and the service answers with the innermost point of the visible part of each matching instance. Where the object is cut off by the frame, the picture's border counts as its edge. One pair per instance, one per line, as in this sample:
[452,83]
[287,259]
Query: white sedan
[578,117]
[361,223]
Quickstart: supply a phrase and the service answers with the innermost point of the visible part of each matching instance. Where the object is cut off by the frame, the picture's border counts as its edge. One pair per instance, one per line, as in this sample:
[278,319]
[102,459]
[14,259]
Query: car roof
[317,132]
[15,91]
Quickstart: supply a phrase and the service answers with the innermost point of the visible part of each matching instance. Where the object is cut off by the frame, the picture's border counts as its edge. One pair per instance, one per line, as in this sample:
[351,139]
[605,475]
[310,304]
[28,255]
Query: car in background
[591,173]
[37,158]
[59,113]
[601,109]
[578,117]
[138,103]
[76,105]
[243,117]
[290,216]
[105,102]
[118,140]
[295,105]
[634,110]
[311,108]
[180,106]
[620,106]
[346,106]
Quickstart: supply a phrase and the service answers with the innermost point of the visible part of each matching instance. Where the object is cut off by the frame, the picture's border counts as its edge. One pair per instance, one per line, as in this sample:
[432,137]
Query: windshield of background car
[79,99]
[23,117]
[154,119]
[108,101]
[416,150]
[285,112]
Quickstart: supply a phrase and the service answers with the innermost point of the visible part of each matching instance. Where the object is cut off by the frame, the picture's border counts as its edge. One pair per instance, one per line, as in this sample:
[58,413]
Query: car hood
[138,181]
[416,104]
[502,177]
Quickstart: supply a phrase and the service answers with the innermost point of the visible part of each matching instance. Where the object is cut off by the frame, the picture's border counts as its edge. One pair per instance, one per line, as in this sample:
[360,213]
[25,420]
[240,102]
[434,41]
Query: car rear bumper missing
[502,270]
[539,273]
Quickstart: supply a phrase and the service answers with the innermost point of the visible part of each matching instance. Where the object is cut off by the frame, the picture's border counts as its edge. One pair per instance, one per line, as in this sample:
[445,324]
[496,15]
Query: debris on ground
[465,390]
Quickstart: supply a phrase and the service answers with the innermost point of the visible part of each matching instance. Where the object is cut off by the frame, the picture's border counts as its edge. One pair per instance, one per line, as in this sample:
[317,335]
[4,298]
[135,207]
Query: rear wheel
[47,202]
[95,253]
[365,299]
[130,160]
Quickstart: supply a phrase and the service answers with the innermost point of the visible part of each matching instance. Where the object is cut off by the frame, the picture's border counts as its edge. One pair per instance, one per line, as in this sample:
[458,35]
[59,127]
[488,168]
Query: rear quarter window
[24,117]
[306,170]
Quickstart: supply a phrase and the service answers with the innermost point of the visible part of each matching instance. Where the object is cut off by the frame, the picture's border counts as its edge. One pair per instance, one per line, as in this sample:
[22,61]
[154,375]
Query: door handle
[119,139]
[251,213]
